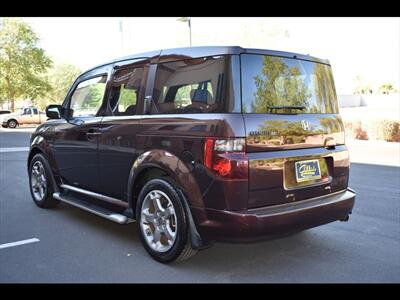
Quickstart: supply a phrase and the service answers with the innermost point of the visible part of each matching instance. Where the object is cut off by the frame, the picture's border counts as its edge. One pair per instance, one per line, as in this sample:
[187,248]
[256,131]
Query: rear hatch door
[294,134]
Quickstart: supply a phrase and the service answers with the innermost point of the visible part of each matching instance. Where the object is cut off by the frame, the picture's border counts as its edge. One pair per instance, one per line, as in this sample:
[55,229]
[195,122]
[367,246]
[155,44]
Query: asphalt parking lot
[75,246]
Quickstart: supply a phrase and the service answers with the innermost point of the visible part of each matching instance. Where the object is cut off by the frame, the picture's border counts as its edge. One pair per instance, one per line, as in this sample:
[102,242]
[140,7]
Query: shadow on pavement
[360,250]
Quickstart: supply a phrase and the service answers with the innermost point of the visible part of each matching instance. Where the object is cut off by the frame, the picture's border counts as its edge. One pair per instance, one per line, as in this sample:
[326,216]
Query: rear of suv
[198,145]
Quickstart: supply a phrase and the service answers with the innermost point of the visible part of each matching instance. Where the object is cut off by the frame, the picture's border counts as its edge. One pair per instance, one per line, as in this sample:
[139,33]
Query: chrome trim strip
[117,218]
[121,118]
[351,190]
[303,205]
[311,152]
[95,195]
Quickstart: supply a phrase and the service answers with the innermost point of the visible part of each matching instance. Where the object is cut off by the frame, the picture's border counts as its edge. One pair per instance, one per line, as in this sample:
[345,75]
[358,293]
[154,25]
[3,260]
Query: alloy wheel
[38,181]
[158,221]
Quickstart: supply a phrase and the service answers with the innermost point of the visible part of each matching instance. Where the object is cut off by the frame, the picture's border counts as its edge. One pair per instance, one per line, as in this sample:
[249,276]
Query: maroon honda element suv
[198,145]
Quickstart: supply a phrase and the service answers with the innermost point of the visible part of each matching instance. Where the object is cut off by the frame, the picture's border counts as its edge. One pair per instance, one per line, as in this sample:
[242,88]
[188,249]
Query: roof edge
[199,51]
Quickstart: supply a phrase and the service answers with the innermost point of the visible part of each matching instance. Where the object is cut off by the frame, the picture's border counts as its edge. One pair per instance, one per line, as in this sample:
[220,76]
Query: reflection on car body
[198,145]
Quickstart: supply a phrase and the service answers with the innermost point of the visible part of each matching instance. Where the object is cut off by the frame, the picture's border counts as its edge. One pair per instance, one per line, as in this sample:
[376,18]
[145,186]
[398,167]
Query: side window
[35,111]
[27,111]
[88,97]
[187,94]
[190,86]
[125,91]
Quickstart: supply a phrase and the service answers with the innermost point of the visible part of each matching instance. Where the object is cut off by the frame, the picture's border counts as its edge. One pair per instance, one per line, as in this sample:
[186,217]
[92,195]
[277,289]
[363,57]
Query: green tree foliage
[182,96]
[94,97]
[331,124]
[279,84]
[22,62]
[387,88]
[362,86]
[127,98]
[282,128]
[324,90]
[60,77]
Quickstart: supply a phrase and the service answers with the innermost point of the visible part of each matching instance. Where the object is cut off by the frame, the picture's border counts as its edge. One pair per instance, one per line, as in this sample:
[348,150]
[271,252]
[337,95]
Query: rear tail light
[226,157]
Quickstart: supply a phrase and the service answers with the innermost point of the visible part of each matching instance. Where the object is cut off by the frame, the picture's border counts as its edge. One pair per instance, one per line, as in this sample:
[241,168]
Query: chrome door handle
[92,133]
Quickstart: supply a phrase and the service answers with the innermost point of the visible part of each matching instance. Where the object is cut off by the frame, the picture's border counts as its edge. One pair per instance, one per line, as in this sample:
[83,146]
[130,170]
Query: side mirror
[54,111]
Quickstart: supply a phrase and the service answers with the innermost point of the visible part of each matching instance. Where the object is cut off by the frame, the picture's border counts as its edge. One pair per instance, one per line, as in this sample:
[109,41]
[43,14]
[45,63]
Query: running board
[97,210]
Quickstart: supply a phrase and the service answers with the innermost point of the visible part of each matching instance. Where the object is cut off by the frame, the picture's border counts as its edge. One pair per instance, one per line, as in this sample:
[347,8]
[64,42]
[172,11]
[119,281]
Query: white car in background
[28,115]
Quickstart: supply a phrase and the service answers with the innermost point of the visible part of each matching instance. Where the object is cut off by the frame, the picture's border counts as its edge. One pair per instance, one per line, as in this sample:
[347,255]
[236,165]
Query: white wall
[349,100]
[392,100]
[389,101]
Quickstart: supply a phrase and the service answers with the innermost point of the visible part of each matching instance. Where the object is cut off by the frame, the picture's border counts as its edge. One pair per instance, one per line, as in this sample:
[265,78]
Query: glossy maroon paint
[223,210]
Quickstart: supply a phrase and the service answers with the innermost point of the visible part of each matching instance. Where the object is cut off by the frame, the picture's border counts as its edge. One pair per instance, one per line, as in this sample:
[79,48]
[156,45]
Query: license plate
[307,170]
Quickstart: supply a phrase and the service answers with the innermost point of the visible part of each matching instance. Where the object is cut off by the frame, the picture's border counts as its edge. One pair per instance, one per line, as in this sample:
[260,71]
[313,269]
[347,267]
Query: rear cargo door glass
[272,84]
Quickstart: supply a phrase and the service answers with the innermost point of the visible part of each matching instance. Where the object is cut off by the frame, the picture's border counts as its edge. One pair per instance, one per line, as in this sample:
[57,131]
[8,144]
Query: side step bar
[99,211]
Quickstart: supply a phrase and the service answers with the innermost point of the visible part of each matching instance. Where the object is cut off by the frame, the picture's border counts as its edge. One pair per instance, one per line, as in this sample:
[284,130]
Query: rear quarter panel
[183,137]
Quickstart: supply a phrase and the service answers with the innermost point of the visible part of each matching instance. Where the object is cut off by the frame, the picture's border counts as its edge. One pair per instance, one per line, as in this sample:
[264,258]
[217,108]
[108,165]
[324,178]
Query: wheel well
[12,120]
[33,152]
[152,173]
[141,179]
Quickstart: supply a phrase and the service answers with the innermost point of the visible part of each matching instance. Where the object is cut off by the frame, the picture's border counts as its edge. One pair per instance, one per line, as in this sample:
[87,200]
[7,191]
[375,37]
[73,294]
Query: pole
[189,21]
[121,30]
[190,32]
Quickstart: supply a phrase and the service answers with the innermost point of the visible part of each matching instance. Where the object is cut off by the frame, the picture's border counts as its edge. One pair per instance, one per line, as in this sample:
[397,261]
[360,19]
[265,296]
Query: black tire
[47,201]
[182,247]
[12,123]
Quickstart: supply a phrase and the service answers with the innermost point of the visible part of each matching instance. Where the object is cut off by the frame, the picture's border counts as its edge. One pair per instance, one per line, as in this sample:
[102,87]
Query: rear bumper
[267,222]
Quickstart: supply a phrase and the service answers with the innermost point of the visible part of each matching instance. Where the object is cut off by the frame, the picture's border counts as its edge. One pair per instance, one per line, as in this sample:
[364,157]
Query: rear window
[273,84]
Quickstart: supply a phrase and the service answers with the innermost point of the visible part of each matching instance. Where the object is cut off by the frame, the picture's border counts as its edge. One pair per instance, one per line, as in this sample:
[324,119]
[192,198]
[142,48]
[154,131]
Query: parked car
[167,138]
[3,114]
[28,115]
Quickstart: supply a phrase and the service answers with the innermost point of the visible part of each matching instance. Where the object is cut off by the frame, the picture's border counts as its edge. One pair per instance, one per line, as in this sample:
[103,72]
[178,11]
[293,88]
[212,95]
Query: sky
[364,47]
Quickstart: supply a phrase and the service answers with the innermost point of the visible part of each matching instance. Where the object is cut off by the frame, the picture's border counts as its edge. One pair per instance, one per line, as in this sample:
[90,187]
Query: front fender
[40,143]
[178,170]
[6,119]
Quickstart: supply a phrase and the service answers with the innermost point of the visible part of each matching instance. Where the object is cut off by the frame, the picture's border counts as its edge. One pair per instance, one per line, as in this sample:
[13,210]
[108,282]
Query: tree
[94,95]
[387,88]
[362,86]
[22,62]
[127,97]
[324,90]
[279,84]
[2,96]
[60,77]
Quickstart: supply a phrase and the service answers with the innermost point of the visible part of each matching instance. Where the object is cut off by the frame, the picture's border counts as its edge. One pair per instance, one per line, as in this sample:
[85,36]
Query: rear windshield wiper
[301,107]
